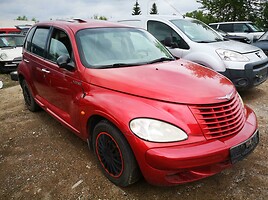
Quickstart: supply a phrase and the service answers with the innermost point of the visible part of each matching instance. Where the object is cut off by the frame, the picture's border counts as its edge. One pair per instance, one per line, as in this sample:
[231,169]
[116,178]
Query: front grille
[220,119]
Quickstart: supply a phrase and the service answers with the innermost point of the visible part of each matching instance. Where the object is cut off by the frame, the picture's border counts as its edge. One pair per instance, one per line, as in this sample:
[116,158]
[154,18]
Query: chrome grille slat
[221,119]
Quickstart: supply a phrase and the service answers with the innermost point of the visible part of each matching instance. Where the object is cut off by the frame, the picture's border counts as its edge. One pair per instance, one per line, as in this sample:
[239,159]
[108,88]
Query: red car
[142,111]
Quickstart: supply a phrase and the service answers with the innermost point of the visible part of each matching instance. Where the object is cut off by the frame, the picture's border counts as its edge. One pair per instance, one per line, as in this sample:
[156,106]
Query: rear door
[34,56]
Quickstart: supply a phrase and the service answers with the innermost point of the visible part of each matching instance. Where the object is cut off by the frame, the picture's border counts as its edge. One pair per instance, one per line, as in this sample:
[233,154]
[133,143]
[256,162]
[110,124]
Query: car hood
[12,53]
[234,46]
[176,81]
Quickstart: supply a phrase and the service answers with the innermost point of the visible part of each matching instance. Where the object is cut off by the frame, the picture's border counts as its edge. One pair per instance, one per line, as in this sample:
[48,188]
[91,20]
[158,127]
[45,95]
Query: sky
[67,9]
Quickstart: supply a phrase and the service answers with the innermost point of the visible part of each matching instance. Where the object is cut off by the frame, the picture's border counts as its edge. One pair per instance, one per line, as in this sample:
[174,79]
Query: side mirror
[65,62]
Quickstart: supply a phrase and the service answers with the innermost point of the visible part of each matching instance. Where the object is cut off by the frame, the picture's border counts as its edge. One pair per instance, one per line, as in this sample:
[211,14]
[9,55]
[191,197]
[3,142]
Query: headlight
[3,56]
[231,55]
[156,131]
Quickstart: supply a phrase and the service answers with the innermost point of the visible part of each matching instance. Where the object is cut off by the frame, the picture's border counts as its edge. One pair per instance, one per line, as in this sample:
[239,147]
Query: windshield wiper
[116,65]
[162,59]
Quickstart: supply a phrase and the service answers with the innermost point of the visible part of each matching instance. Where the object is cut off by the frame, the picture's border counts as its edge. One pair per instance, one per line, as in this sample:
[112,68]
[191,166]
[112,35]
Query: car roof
[76,25]
[11,34]
[161,17]
[234,22]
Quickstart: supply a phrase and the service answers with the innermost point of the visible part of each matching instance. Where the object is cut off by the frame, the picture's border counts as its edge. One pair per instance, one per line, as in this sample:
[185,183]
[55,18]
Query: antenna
[173,7]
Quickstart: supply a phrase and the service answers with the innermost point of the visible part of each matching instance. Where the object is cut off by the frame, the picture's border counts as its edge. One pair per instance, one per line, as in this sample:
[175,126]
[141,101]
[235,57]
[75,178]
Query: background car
[262,43]
[240,28]
[233,37]
[191,39]
[10,51]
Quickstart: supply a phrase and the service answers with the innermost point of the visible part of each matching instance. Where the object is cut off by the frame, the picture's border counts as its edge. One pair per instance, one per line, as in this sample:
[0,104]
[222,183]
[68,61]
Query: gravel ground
[41,159]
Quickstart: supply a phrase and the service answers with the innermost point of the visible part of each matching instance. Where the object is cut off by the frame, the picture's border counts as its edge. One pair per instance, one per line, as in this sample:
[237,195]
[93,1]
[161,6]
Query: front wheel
[28,97]
[114,154]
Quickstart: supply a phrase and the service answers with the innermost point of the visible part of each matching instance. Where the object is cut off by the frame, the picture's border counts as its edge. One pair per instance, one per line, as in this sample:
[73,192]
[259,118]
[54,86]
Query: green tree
[100,17]
[154,10]
[200,15]
[136,9]
[24,18]
[235,10]
[34,19]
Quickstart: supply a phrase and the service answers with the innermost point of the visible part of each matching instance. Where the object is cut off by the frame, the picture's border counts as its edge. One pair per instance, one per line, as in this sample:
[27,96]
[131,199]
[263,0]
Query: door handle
[25,60]
[46,71]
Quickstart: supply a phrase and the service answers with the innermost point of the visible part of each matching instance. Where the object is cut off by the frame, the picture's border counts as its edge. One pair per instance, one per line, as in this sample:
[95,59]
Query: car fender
[211,61]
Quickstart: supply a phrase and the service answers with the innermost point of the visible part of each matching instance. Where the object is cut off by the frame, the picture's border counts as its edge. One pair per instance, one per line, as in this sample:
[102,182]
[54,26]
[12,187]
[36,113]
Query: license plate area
[240,151]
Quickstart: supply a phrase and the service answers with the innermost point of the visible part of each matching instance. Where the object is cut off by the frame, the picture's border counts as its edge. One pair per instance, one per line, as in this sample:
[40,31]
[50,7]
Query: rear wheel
[28,98]
[114,154]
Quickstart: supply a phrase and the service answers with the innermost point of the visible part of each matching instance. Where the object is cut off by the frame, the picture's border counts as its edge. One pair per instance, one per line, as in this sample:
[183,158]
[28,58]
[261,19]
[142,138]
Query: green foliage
[100,17]
[24,18]
[237,10]
[154,10]
[136,9]
[200,15]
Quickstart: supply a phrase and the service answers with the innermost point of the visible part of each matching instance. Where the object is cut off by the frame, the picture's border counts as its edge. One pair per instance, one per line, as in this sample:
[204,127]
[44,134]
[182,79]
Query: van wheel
[28,98]
[114,154]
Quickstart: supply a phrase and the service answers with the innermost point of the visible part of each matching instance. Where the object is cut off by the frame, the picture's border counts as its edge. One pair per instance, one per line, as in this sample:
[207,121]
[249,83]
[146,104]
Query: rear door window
[39,41]
[226,27]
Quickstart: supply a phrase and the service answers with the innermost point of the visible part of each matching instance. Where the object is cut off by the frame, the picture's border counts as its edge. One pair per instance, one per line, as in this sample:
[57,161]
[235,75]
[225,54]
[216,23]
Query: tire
[28,97]
[114,154]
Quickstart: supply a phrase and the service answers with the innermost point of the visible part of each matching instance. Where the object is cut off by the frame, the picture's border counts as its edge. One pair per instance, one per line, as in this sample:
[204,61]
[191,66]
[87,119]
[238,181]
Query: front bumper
[254,74]
[9,66]
[187,163]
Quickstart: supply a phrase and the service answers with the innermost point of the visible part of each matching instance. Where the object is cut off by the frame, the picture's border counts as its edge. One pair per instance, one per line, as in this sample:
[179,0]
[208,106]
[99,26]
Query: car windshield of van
[197,31]
[119,47]
[254,28]
[11,41]
[264,37]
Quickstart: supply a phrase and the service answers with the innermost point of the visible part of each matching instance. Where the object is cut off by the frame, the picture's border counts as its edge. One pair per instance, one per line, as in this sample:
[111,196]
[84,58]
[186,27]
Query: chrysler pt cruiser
[142,112]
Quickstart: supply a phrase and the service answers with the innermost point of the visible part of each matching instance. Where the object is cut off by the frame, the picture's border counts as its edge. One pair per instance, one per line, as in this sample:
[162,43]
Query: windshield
[254,28]
[11,41]
[197,31]
[264,36]
[119,47]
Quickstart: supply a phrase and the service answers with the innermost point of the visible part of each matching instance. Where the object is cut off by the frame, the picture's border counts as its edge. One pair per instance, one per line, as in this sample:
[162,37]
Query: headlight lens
[231,55]
[3,56]
[156,131]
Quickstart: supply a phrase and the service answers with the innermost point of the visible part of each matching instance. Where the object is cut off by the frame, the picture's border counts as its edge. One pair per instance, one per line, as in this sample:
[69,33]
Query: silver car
[193,40]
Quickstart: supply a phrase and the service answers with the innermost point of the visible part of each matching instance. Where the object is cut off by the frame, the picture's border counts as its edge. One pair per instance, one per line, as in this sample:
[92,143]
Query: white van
[245,65]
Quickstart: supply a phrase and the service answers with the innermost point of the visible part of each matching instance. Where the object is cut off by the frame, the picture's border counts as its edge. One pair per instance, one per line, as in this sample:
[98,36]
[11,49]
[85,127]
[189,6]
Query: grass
[7,82]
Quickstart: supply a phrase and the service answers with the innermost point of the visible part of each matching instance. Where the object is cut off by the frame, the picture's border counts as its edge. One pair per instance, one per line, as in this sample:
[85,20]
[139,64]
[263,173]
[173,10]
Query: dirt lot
[40,159]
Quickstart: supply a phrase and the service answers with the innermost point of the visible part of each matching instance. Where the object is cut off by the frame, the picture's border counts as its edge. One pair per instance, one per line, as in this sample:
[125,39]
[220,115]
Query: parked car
[11,30]
[240,28]
[262,43]
[233,37]
[245,65]
[139,108]
[10,51]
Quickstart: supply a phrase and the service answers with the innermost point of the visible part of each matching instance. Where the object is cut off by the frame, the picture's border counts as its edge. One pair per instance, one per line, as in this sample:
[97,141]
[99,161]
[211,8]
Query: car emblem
[258,54]
[228,96]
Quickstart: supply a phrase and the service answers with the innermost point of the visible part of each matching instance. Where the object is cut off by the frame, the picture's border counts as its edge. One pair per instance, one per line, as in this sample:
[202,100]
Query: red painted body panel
[159,91]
